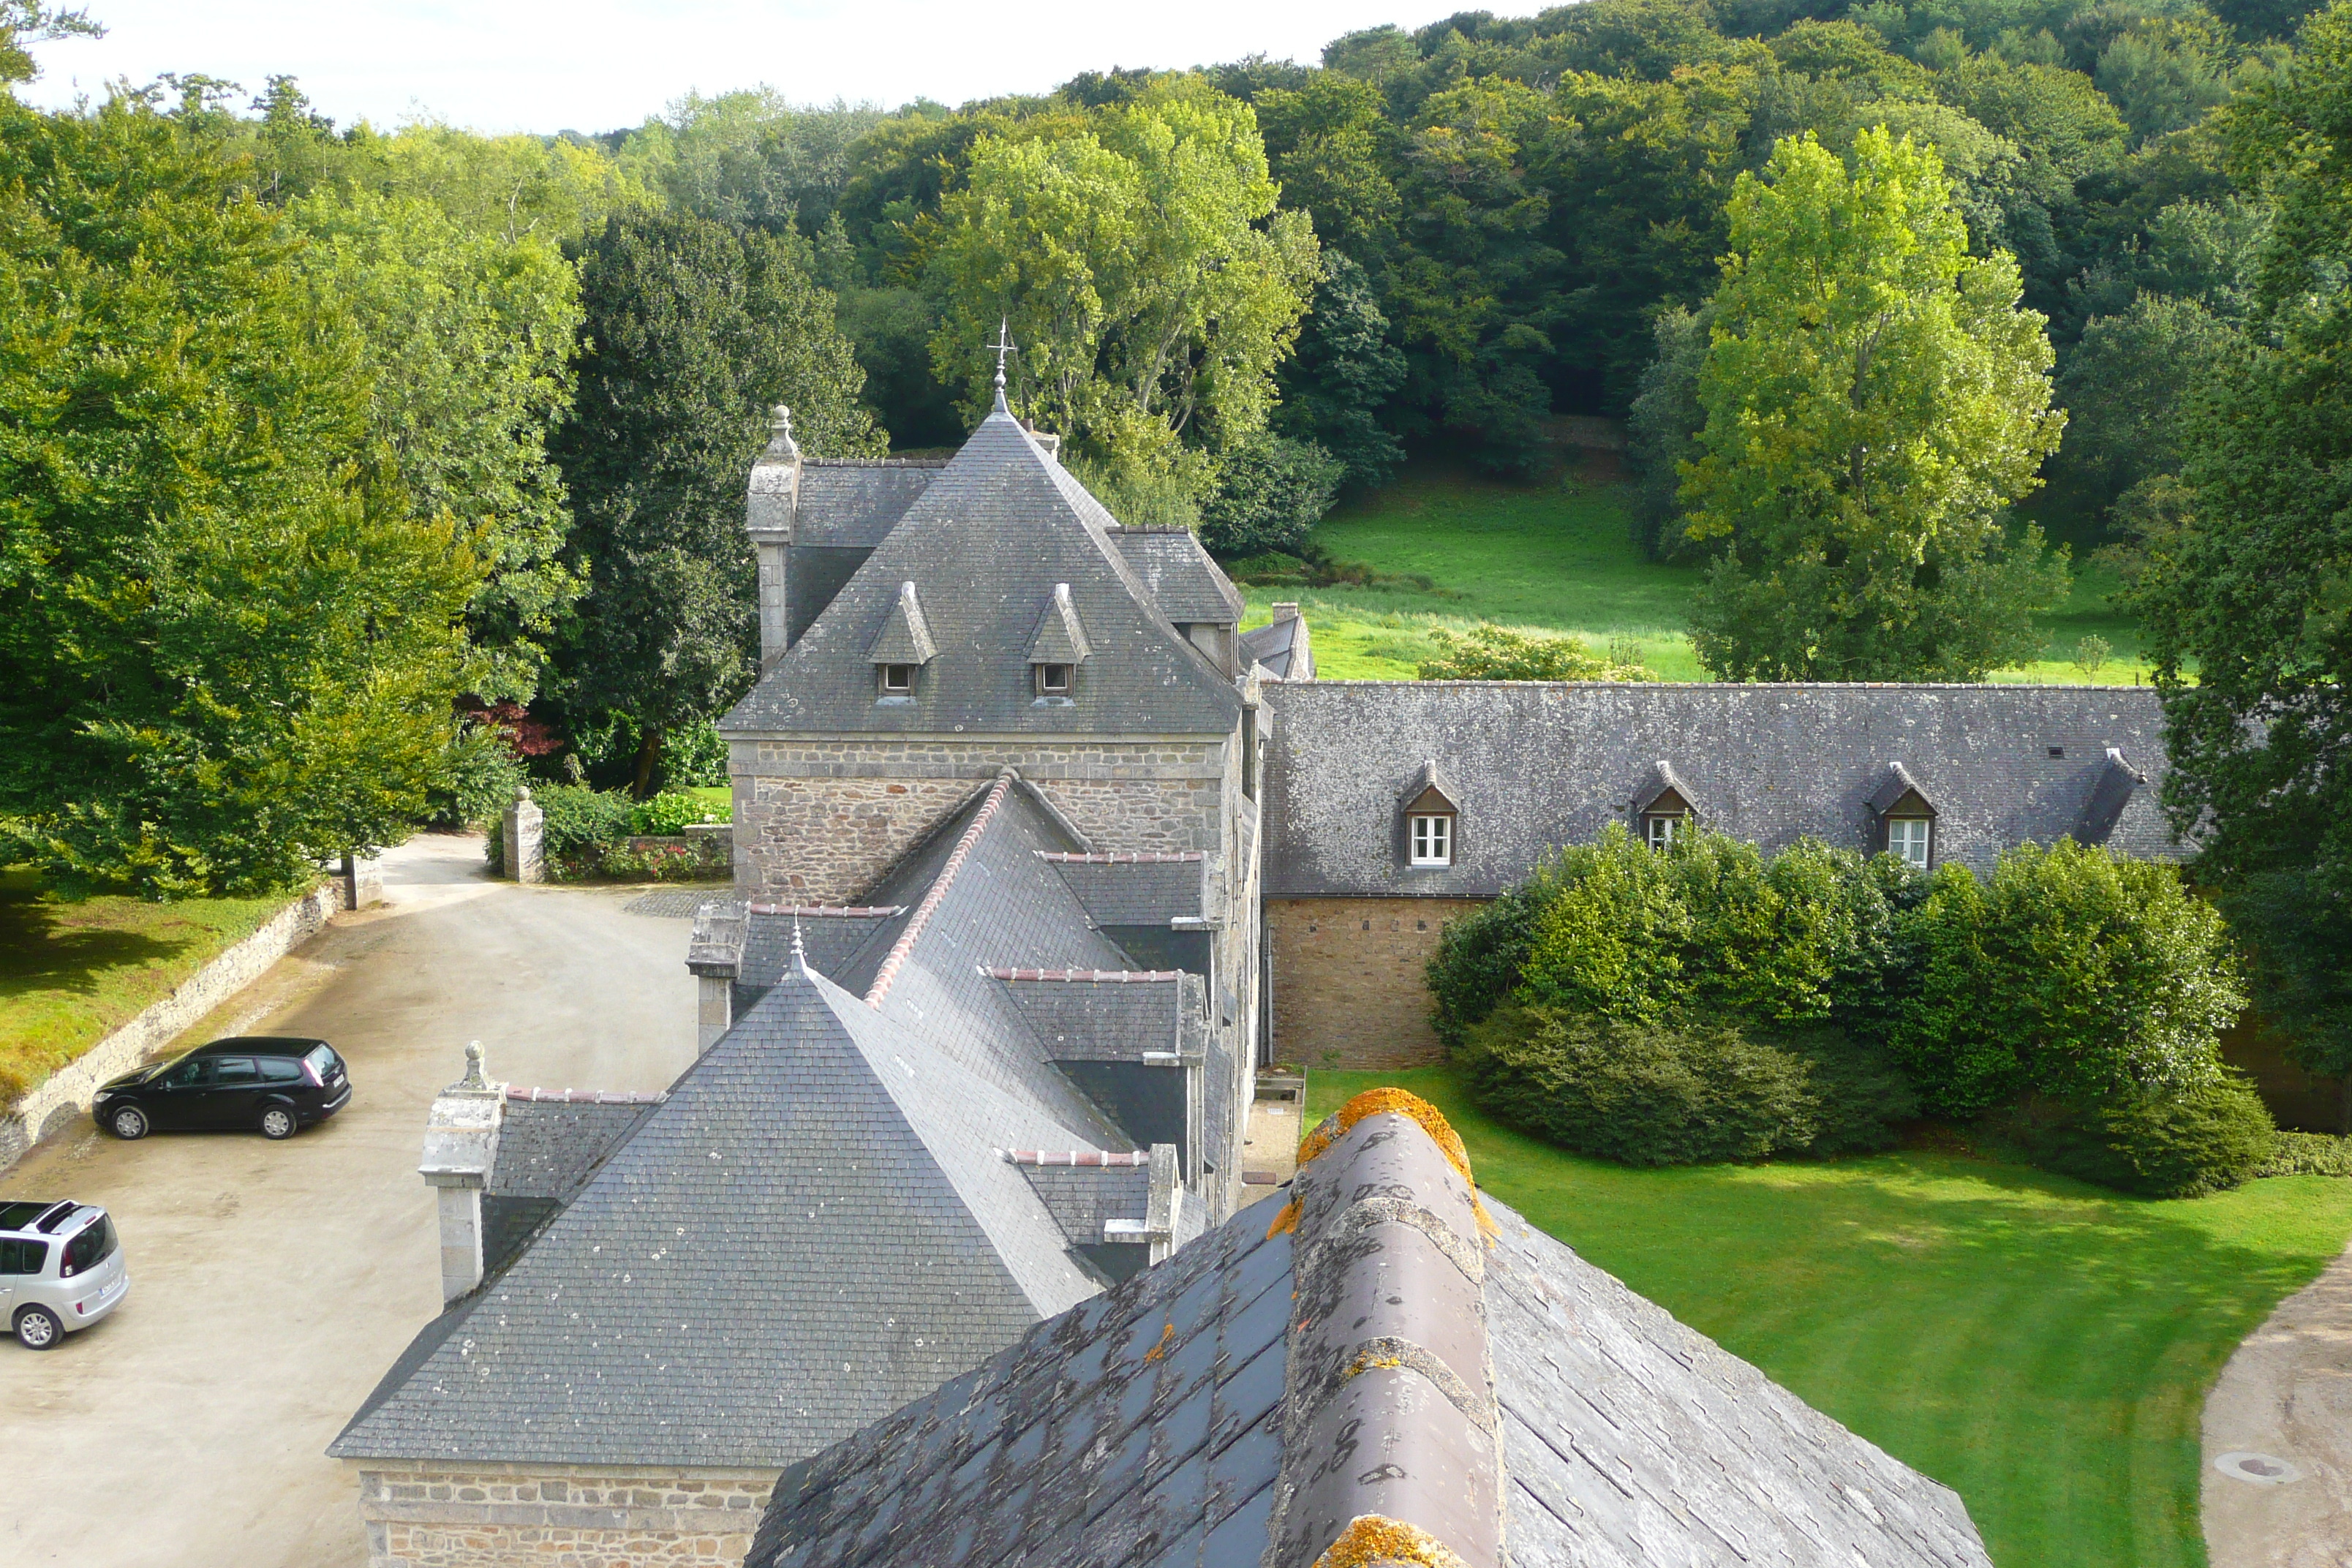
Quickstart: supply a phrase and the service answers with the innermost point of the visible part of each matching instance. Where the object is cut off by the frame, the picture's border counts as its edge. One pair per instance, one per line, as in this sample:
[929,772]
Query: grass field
[1553,557]
[2041,1346]
[72,971]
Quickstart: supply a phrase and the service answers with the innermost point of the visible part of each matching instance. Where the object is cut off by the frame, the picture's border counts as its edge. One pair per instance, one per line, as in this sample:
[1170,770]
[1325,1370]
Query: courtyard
[273,1283]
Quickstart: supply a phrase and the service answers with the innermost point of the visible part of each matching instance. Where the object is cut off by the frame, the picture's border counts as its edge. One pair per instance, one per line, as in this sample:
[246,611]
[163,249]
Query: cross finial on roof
[1003,345]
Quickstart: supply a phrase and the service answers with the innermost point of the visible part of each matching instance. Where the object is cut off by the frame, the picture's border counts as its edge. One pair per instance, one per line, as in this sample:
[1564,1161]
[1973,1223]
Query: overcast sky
[595,65]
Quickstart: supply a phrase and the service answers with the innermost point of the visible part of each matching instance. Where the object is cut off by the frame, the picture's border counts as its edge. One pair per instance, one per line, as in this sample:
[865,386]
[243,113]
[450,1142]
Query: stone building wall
[510,1516]
[818,821]
[1347,987]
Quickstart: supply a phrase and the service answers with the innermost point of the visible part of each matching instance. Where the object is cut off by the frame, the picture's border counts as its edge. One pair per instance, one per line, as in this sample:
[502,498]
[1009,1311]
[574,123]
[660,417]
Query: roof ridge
[828,912]
[1389,1309]
[1120,857]
[939,890]
[1085,976]
[876,462]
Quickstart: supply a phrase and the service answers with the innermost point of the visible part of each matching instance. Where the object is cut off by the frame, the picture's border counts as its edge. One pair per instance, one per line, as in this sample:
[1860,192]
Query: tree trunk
[648,759]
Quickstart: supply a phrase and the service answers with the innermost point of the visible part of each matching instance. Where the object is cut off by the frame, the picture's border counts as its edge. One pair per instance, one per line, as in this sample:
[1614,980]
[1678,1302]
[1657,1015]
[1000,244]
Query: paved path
[272,1283]
[2282,1414]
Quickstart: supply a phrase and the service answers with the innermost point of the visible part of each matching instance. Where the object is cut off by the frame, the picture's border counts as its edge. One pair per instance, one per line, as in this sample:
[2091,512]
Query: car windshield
[95,1244]
[324,1060]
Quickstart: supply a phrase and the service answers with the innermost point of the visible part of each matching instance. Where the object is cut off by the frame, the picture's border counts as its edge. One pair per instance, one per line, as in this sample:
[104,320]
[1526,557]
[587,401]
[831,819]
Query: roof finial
[1004,345]
[799,953]
[779,439]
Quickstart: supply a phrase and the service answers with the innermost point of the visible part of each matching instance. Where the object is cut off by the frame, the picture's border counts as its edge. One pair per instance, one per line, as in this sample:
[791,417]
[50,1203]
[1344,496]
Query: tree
[693,331]
[1875,398]
[1343,374]
[1662,432]
[1150,283]
[2124,387]
[2246,583]
[1269,493]
[228,645]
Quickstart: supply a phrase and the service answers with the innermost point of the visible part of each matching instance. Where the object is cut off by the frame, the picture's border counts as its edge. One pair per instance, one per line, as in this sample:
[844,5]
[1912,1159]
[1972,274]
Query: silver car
[61,1270]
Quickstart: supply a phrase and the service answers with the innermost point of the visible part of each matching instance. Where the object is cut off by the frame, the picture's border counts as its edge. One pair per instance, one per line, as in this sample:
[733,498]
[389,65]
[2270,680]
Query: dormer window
[1662,806]
[1052,679]
[902,646]
[1906,819]
[1432,838]
[897,679]
[1429,814]
[1056,650]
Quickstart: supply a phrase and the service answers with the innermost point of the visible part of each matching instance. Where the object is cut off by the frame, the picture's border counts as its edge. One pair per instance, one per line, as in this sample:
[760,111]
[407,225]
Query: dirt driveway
[272,1283]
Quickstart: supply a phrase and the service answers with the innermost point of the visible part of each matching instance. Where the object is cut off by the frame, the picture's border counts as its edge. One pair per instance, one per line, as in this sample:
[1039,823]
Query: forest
[351,469]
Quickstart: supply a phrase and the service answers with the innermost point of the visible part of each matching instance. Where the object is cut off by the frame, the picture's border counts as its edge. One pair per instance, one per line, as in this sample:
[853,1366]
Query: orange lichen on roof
[1400,1102]
[1287,1220]
[1166,1338]
[1370,1538]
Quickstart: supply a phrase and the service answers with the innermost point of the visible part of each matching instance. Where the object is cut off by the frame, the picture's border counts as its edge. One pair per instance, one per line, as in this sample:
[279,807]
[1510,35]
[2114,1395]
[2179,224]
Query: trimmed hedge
[1652,1094]
[2213,1135]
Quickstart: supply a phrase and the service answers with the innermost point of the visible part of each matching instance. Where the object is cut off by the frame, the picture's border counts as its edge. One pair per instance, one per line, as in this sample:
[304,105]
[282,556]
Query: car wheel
[37,1329]
[278,1121]
[129,1122]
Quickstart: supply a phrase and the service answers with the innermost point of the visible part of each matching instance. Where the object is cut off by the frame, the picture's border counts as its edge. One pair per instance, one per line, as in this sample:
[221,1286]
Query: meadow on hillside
[1555,556]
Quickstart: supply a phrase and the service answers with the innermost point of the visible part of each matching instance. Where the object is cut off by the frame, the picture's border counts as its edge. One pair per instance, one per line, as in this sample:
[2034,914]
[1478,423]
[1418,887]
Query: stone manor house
[1038,858]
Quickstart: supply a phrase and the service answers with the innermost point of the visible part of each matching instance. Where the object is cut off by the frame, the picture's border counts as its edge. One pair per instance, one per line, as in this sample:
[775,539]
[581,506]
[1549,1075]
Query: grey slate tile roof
[1247,1400]
[984,544]
[1081,1199]
[1092,1020]
[1129,889]
[1189,586]
[814,1203]
[1283,647]
[847,503]
[549,1148]
[1534,765]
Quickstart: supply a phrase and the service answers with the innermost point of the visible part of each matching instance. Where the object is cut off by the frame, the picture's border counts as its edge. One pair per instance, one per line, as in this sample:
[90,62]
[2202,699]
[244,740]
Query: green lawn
[73,971]
[1556,557]
[2042,1346]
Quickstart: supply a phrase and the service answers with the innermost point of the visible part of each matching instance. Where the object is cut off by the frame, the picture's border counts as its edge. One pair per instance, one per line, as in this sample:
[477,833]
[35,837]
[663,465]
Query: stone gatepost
[362,880]
[461,1145]
[523,860]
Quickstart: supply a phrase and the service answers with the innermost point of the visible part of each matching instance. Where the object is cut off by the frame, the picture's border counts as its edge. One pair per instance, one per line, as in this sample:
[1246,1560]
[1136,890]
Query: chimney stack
[774,496]
[1284,612]
[461,1145]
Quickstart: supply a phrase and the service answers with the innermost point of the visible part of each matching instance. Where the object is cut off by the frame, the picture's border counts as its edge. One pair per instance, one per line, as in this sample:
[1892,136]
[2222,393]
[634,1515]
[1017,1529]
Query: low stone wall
[64,1096]
[508,1516]
[1349,989]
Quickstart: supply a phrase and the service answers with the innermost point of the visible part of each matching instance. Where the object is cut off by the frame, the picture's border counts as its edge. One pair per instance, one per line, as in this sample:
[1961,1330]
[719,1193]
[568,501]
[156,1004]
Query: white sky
[596,64]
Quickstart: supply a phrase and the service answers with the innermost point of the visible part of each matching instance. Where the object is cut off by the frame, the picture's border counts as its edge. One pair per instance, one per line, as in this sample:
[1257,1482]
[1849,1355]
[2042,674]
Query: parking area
[272,1283]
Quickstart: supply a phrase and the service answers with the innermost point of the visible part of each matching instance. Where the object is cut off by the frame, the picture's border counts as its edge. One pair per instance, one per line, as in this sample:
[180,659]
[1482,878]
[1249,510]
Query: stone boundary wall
[64,1096]
[422,1515]
[818,821]
[1349,979]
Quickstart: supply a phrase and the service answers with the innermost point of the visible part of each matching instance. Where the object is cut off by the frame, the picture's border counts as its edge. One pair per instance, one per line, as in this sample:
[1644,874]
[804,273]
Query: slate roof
[548,1147]
[1534,765]
[1189,586]
[1099,1020]
[1376,1374]
[1282,647]
[1119,889]
[854,502]
[984,544]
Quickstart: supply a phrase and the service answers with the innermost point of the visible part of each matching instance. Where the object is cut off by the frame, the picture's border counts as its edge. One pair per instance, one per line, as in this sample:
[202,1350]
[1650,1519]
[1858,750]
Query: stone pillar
[1164,1207]
[523,862]
[362,880]
[773,497]
[715,955]
[461,1146]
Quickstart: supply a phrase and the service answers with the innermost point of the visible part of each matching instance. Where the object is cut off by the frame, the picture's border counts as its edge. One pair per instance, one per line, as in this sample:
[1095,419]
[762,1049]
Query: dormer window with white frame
[1659,828]
[1661,807]
[1905,819]
[901,647]
[1052,679]
[1056,651]
[1432,838]
[897,679]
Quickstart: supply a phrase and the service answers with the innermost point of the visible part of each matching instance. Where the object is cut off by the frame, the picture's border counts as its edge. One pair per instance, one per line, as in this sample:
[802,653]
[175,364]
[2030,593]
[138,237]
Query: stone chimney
[461,1145]
[1284,612]
[774,496]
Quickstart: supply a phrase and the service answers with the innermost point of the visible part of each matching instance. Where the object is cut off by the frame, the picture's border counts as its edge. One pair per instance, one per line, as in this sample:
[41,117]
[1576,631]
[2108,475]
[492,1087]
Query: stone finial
[799,953]
[476,1079]
[522,793]
[781,445]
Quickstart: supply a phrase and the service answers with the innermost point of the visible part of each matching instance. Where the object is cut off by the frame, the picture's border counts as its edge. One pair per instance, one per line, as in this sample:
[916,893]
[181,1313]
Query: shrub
[672,812]
[2308,1154]
[1270,492]
[693,754]
[580,823]
[2183,1143]
[1700,1091]
[1488,652]
[2076,973]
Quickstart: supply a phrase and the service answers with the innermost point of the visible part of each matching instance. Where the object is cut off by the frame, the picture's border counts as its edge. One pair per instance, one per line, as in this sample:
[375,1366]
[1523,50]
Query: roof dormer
[1430,821]
[2110,792]
[1662,807]
[1903,819]
[902,647]
[1057,650]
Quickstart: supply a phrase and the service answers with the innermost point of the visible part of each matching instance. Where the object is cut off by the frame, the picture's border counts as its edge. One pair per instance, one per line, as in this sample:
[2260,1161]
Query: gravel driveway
[272,1283]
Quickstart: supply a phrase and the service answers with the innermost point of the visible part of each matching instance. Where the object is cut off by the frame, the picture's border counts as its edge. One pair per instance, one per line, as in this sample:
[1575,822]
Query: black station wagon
[263,1084]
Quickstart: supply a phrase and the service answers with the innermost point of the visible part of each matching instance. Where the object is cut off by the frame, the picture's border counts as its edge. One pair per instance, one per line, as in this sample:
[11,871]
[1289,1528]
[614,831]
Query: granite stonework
[820,821]
[517,1516]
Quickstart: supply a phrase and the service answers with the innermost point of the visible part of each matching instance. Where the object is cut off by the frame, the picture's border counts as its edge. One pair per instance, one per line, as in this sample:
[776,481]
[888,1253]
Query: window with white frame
[1052,679]
[1433,840]
[1909,838]
[897,679]
[1660,828]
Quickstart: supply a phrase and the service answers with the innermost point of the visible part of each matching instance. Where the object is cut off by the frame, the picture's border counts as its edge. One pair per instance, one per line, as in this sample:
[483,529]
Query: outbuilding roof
[1389,1368]
[1533,765]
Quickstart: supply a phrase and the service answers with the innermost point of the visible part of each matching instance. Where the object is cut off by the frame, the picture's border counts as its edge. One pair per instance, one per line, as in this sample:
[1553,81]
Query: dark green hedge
[2214,1135]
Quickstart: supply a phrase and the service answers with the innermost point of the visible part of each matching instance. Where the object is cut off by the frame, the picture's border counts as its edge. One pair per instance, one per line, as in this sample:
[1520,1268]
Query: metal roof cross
[1003,345]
